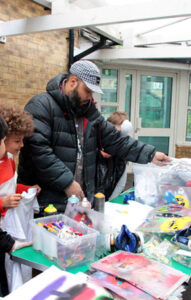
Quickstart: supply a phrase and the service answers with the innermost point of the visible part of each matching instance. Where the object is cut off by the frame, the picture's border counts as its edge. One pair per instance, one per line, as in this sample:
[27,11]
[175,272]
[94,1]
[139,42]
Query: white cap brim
[94,88]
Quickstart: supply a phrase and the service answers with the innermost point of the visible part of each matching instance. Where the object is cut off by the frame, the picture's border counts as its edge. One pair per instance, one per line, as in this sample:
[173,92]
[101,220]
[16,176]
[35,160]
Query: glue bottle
[50,210]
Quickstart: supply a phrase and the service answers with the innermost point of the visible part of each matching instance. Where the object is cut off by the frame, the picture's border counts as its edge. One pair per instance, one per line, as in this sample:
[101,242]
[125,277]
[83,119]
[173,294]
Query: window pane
[109,84]
[128,87]
[188,129]
[106,111]
[189,96]
[155,101]
[161,143]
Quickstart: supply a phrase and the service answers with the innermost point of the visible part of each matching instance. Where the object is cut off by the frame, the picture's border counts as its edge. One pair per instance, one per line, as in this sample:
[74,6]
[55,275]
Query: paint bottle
[99,202]
[73,199]
[50,210]
[85,203]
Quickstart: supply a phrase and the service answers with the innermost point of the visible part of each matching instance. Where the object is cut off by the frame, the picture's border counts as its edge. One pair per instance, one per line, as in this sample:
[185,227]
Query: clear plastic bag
[168,183]
[159,249]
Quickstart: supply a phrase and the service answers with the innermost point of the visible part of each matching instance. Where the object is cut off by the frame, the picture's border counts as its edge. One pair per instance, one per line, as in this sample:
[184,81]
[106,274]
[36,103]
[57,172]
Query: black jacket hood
[53,88]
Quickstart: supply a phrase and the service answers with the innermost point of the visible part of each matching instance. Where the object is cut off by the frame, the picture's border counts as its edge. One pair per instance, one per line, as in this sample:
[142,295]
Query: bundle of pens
[61,230]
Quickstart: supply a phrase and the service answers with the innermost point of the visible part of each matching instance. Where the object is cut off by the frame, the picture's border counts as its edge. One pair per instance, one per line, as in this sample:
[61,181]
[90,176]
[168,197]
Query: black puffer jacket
[6,241]
[49,155]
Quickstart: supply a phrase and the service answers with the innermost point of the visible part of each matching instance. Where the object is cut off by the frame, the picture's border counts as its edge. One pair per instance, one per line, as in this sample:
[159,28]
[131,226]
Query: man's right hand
[75,189]
[11,201]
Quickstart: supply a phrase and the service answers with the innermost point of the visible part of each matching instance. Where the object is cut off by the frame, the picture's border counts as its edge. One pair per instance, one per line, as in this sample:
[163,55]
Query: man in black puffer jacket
[61,154]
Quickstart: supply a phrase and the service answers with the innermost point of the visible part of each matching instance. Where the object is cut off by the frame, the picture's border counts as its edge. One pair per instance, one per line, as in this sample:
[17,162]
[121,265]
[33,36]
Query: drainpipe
[71,48]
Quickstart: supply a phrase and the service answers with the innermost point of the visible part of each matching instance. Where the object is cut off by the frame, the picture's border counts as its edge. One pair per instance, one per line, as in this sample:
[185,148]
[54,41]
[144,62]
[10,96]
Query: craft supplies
[85,203]
[119,286]
[62,231]
[157,186]
[161,250]
[183,239]
[128,241]
[83,218]
[163,224]
[63,240]
[183,257]
[99,202]
[50,210]
[73,199]
[151,276]
[129,196]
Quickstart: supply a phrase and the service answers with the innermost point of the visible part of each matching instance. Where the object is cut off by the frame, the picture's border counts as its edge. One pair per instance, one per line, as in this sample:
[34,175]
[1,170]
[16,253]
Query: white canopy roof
[146,28]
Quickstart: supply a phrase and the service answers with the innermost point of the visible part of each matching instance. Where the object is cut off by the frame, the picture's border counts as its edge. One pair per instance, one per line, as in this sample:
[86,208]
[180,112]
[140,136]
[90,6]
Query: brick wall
[183,151]
[27,62]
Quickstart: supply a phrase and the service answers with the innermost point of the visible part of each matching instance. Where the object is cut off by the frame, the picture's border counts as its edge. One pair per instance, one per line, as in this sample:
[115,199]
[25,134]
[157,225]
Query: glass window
[189,96]
[161,143]
[107,110]
[155,101]
[188,129]
[109,83]
[128,88]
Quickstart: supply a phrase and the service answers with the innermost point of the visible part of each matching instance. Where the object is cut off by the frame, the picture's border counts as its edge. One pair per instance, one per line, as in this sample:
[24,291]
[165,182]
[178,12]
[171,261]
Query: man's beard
[78,110]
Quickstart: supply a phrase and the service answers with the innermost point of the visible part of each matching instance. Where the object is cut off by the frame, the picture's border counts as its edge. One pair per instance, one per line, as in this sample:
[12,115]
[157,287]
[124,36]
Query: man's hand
[11,201]
[160,159]
[18,245]
[36,186]
[74,189]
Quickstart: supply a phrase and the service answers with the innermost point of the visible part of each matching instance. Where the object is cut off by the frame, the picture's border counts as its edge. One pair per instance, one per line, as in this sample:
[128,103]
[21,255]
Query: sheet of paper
[54,284]
[132,214]
[151,276]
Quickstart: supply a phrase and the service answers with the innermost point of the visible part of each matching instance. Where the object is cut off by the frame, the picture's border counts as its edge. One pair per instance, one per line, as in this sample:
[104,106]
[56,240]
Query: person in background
[121,121]
[7,243]
[111,173]
[60,155]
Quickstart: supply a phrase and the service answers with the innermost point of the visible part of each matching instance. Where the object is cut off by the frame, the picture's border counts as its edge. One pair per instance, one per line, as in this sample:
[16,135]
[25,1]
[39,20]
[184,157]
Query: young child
[20,125]
[121,122]
[7,244]
[111,171]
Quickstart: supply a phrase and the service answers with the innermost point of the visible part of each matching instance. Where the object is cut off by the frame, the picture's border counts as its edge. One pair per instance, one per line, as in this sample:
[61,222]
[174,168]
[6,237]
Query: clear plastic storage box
[67,253]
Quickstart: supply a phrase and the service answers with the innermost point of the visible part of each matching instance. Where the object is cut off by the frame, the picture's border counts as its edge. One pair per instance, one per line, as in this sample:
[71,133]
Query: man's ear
[73,81]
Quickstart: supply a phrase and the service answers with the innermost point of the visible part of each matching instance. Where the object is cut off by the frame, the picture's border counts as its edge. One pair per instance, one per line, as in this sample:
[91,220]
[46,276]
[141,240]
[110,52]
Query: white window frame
[187,108]
[180,104]
[182,107]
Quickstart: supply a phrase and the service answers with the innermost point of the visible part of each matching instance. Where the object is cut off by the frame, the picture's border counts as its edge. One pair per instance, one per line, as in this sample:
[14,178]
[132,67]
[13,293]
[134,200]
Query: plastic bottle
[50,210]
[85,203]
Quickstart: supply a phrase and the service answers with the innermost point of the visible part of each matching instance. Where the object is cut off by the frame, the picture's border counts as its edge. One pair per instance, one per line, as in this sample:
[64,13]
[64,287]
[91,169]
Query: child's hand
[18,245]
[11,201]
[37,187]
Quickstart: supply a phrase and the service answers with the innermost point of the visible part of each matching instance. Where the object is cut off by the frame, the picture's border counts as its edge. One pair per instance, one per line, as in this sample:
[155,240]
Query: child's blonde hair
[19,121]
[117,117]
